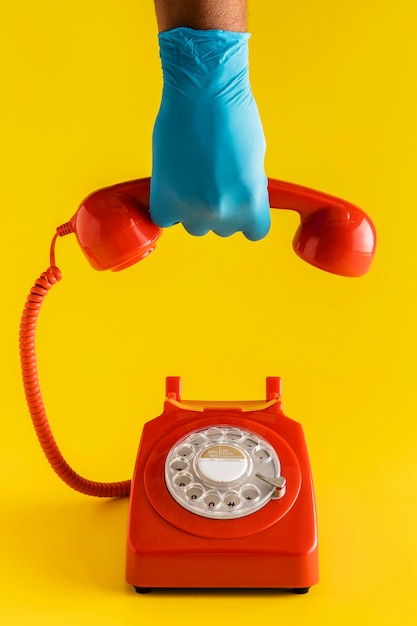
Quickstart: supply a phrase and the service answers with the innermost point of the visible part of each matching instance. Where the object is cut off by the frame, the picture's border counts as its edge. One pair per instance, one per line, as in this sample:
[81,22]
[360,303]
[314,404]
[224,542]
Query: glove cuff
[198,54]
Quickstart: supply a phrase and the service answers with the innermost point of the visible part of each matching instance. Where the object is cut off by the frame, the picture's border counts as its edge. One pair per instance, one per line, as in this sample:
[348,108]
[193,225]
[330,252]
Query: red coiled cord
[33,394]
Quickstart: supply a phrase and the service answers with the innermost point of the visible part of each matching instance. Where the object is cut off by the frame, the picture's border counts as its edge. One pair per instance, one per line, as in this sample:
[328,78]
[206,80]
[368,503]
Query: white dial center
[222,463]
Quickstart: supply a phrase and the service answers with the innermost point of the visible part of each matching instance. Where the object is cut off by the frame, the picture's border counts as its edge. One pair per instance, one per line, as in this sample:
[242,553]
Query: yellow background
[336,86]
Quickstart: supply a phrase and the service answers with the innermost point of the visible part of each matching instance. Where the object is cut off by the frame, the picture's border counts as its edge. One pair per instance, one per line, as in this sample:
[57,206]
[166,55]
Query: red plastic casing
[171,547]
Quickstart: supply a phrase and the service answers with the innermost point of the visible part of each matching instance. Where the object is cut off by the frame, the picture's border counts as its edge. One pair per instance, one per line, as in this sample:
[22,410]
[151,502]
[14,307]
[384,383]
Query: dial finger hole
[262,455]
[232,500]
[185,451]
[250,493]
[214,434]
[183,480]
[212,500]
[194,493]
[197,440]
[249,443]
[234,434]
[179,465]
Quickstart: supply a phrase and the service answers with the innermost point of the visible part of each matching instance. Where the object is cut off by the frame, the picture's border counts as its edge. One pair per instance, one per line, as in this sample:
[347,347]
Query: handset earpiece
[334,235]
[113,226]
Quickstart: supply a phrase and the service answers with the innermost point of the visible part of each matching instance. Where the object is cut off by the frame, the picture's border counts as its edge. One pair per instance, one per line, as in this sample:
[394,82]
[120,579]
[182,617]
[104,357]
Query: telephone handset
[222,494]
[114,229]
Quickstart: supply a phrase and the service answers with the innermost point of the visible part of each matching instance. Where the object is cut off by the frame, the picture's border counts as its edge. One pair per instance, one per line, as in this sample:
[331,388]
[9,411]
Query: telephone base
[199,516]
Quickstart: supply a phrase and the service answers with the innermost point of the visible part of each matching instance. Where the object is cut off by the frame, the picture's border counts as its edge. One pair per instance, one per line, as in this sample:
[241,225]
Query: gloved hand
[208,141]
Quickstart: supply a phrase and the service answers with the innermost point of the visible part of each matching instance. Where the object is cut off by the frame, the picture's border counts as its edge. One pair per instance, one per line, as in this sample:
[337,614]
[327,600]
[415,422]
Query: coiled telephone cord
[28,324]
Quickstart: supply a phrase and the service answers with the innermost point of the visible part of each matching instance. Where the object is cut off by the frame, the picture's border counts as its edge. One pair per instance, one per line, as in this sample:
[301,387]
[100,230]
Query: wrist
[201,14]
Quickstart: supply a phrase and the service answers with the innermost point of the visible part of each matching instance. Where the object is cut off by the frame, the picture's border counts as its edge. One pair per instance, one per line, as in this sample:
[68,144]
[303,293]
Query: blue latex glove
[208,141]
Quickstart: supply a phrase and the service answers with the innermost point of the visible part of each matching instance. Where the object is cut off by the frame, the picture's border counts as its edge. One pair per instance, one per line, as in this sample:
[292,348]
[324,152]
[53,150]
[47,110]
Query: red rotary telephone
[222,494]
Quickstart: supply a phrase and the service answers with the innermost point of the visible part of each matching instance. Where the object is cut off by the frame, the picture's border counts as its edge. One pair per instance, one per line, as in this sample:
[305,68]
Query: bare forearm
[201,14]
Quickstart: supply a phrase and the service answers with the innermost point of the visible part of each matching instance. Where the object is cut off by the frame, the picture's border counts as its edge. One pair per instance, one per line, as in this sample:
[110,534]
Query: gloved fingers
[164,205]
[259,228]
[248,215]
[161,216]
[256,230]
[196,228]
